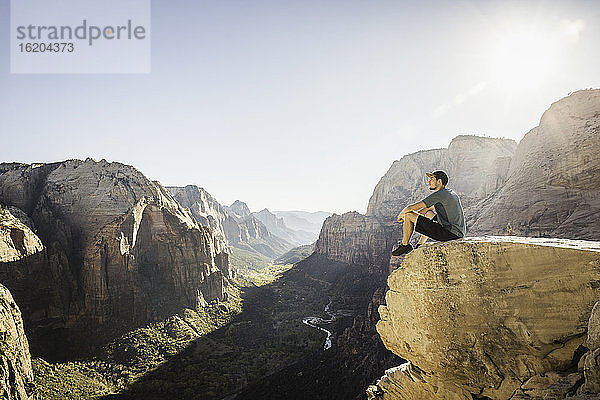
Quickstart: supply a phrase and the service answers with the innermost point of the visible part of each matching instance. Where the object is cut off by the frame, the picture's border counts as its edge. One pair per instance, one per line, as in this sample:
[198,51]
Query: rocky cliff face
[16,239]
[233,225]
[366,241]
[357,239]
[204,208]
[495,317]
[477,166]
[551,189]
[119,250]
[16,374]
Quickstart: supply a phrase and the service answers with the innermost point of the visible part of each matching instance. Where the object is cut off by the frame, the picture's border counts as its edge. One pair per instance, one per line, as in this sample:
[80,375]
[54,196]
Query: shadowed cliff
[118,252]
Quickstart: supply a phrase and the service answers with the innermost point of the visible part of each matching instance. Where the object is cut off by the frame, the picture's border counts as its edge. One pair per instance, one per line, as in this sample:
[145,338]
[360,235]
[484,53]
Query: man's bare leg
[409,226]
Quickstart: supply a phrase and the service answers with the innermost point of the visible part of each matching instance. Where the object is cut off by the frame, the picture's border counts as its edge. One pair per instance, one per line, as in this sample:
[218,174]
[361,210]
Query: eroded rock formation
[233,225]
[477,166]
[551,190]
[204,208]
[357,239]
[119,250]
[17,240]
[16,374]
[492,317]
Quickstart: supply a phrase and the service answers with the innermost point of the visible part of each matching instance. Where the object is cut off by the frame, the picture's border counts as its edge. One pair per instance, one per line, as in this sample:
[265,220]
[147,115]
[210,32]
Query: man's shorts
[433,229]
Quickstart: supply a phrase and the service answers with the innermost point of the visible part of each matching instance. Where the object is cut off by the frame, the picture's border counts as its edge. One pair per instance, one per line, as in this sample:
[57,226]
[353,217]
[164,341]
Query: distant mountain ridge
[235,224]
[260,234]
[305,221]
[279,228]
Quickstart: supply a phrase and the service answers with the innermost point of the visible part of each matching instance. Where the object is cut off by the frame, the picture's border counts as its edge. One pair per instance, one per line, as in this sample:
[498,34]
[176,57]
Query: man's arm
[424,211]
[413,207]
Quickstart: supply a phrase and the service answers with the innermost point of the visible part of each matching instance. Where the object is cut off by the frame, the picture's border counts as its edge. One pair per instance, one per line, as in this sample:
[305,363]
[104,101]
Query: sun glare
[523,60]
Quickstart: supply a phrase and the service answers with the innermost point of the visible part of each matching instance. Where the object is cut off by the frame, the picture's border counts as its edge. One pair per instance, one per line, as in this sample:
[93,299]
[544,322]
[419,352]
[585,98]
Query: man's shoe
[402,249]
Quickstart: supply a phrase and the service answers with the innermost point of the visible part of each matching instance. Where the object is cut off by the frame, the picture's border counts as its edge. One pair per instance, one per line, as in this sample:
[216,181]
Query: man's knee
[430,214]
[412,216]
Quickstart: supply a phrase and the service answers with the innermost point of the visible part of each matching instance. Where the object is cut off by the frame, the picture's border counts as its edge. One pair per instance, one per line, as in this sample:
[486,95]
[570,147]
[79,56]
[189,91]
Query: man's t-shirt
[448,209]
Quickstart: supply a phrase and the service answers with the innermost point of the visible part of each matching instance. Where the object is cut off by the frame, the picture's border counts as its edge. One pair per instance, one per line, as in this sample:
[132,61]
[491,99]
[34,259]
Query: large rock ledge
[490,317]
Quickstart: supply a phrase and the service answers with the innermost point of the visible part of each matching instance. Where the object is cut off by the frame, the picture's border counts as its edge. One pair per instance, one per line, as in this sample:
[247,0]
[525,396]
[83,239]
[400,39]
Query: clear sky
[305,104]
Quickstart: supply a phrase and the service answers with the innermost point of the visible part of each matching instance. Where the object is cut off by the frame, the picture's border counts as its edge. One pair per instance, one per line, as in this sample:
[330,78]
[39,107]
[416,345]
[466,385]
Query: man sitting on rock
[446,223]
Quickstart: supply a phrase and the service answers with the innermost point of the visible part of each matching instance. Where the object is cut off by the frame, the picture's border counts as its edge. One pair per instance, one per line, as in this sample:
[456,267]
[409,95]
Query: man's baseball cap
[439,175]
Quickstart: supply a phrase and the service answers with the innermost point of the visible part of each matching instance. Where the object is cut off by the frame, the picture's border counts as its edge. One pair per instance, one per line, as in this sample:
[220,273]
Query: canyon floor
[210,353]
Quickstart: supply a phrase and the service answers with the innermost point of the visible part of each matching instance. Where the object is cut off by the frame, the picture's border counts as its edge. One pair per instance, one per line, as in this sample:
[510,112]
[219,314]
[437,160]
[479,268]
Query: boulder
[489,316]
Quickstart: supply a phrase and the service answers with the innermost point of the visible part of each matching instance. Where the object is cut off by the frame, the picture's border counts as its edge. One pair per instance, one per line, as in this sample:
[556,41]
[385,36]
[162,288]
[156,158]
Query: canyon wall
[119,251]
[233,225]
[551,189]
[16,374]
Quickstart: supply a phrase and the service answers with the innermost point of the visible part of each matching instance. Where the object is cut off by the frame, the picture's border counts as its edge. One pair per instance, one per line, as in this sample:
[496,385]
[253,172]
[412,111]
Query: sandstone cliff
[16,238]
[551,189]
[477,166]
[119,251]
[357,239]
[16,374]
[492,317]
[233,225]
[204,208]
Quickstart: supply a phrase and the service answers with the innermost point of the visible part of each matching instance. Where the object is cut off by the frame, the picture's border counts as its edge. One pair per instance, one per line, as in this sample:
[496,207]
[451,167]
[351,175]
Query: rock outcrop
[119,251]
[16,374]
[492,317]
[204,208]
[493,178]
[17,240]
[356,239]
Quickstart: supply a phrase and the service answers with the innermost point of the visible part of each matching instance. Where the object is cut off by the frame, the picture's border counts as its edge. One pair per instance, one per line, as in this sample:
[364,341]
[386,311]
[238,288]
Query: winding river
[314,322]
